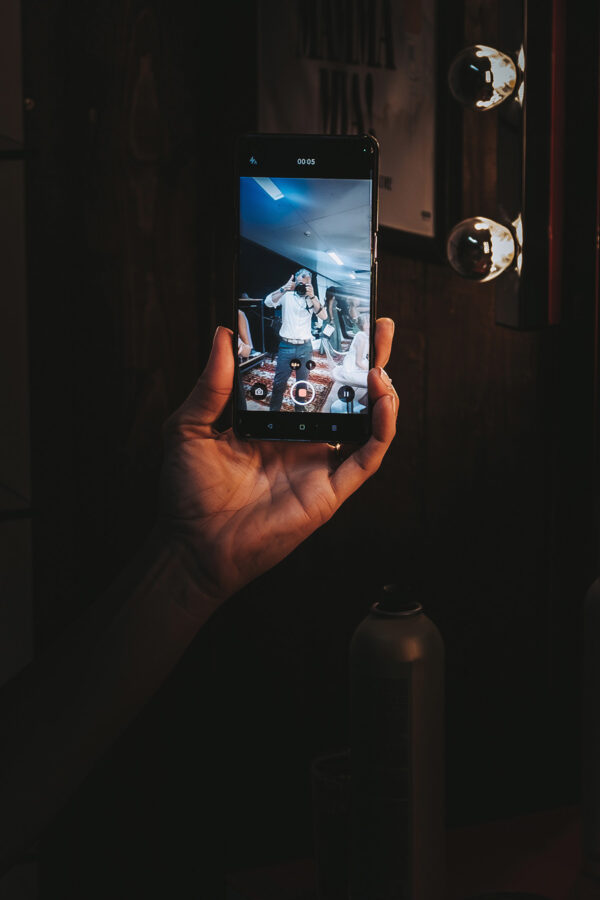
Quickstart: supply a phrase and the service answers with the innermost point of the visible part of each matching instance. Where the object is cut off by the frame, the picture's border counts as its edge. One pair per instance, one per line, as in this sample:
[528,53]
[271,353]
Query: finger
[213,389]
[366,460]
[384,335]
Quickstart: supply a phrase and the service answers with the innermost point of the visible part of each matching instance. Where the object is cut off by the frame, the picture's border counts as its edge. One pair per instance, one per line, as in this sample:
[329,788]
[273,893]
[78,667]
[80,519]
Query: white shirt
[295,317]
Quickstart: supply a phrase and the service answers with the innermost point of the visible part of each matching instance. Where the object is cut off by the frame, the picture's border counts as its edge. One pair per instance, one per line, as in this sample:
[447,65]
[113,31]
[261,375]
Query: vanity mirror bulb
[480,249]
[481,77]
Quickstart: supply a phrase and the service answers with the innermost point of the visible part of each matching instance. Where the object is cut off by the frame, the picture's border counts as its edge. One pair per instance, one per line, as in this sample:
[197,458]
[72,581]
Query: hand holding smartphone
[305,286]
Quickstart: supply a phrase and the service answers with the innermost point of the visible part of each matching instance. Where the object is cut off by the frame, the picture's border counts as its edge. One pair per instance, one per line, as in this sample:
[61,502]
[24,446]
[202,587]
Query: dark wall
[263,268]
[484,499]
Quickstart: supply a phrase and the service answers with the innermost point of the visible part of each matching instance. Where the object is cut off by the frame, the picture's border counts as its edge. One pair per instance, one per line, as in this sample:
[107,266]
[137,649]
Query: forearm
[274,298]
[319,309]
[66,709]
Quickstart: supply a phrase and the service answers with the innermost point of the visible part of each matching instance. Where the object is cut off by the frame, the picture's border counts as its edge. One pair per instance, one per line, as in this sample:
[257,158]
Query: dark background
[485,500]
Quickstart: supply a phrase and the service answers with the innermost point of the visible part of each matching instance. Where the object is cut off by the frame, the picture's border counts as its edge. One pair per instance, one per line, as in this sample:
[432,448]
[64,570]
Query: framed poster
[378,67]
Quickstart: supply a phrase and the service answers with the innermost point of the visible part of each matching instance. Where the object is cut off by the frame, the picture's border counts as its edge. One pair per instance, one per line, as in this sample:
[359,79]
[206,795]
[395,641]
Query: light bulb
[480,249]
[481,77]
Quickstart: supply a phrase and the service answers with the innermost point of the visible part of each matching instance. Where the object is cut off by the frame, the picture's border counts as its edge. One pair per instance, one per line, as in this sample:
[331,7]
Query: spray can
[397,753]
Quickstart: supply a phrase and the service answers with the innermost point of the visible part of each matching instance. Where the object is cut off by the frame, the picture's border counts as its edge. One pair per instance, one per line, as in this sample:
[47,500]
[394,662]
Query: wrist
[175,570]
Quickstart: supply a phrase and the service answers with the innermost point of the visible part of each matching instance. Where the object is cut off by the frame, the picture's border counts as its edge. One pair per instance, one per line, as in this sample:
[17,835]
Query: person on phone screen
[355,367]
[298,303]
[333,319]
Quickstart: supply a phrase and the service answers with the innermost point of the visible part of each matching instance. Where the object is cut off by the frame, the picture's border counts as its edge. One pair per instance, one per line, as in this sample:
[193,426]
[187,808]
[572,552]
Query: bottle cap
[397,600]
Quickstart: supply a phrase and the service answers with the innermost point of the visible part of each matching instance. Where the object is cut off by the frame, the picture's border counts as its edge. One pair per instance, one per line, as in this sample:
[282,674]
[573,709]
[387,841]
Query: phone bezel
[299,426]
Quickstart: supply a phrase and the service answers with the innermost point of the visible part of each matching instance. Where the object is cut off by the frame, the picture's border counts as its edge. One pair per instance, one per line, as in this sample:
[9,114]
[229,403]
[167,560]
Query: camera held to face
[300,289]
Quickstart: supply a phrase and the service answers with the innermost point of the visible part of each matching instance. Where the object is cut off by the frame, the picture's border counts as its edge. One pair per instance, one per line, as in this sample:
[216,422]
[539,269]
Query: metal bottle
[397,753]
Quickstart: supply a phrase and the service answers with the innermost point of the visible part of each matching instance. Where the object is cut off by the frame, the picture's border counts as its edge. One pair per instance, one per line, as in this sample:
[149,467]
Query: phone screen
[305,286]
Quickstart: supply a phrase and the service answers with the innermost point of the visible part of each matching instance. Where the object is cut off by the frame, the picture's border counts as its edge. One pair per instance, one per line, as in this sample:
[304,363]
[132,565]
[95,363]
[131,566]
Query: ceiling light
[270,187]
[335,257]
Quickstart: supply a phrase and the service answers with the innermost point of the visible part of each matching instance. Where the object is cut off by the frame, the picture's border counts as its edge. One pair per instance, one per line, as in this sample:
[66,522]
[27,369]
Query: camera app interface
[304,294]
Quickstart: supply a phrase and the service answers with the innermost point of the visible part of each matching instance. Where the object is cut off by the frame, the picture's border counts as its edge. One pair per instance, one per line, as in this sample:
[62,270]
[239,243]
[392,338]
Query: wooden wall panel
[131,229]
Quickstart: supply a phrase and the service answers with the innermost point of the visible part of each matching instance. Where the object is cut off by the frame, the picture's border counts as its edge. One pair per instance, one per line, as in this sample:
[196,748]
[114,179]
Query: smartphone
[305,286]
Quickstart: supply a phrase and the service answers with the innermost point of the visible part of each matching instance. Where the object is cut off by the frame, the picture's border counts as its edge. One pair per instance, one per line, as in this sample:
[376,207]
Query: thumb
[213,389]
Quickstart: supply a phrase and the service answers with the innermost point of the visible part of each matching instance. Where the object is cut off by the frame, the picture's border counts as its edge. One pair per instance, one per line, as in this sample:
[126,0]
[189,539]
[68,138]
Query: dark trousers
[285,355]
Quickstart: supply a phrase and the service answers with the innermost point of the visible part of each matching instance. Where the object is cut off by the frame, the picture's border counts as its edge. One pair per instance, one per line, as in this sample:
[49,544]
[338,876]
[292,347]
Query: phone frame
[277,153]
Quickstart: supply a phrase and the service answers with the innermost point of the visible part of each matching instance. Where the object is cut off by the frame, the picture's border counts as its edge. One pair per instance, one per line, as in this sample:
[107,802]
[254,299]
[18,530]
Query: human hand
[243,349]
[234,508]
[290,284]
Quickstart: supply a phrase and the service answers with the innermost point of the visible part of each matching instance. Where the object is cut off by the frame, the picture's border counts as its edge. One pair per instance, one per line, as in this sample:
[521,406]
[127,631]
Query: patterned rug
[264,372]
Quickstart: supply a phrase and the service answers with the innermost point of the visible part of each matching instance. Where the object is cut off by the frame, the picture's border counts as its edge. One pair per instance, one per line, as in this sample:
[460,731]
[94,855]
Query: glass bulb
[480,249]
[481,77]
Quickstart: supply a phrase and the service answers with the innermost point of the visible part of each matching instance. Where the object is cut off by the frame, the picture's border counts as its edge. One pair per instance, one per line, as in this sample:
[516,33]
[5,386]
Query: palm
[238,506]
[247,504]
